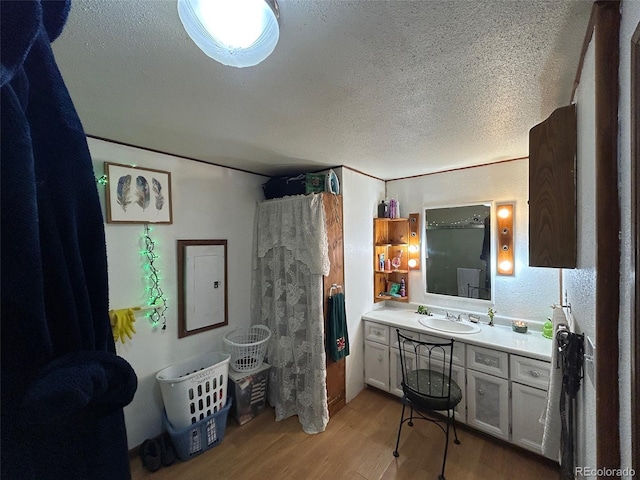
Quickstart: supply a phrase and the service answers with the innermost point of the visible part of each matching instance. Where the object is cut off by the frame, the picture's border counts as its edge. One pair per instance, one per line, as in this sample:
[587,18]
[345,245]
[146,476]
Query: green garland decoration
[156,295]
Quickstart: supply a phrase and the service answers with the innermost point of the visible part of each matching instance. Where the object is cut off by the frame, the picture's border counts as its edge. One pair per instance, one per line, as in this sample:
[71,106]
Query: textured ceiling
[389,88]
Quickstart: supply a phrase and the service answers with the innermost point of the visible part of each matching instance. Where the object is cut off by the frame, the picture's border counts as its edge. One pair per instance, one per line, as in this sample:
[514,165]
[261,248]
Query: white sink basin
[450,326]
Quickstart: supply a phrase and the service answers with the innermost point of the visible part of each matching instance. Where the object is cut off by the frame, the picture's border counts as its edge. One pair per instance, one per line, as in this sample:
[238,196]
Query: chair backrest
[426,367]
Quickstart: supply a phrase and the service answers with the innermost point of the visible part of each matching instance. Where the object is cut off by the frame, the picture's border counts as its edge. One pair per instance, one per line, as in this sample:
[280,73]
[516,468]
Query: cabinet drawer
[458,348]
[488,361]
[376,332]
[407,333]
[530,372]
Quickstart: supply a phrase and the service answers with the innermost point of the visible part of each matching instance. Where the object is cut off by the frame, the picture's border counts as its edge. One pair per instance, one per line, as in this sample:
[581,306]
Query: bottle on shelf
[383,211]
[403,291]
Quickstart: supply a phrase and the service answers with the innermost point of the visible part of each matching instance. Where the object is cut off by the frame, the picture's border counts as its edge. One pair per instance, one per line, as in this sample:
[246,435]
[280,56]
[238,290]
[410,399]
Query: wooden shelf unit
[389,236]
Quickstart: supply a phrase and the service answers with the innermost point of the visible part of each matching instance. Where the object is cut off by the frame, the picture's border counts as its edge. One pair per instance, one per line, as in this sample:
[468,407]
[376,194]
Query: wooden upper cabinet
[552,190]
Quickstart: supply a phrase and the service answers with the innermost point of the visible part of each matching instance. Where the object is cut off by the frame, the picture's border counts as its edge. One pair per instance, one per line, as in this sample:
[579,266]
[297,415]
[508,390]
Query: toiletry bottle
[403,292]
[381,261]
[382,210]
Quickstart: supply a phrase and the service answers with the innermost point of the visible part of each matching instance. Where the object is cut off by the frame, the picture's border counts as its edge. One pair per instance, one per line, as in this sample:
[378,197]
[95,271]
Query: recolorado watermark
[604,472]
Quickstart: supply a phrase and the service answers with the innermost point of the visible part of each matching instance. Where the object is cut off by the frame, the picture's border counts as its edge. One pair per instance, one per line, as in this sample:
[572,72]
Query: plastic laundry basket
[195,389]
[247,347]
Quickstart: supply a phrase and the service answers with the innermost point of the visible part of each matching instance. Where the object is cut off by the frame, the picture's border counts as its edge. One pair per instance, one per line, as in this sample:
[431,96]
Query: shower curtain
[290,258]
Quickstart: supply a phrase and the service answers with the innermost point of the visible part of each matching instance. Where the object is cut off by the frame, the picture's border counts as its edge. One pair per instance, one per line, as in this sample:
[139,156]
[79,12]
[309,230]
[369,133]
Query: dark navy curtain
[63,387]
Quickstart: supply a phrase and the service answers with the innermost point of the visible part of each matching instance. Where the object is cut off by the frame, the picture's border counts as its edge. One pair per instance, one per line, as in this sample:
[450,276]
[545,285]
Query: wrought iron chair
[428,387]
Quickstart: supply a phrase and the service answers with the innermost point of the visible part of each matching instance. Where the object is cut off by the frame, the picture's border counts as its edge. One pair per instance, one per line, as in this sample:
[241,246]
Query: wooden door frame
[607,63]
[635,243]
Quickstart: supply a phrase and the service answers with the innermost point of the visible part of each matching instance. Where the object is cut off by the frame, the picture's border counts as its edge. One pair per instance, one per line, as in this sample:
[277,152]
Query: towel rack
[334,286]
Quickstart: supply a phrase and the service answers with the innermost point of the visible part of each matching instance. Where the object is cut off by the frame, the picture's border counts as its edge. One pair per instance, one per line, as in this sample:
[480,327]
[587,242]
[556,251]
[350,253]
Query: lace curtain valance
[290,258]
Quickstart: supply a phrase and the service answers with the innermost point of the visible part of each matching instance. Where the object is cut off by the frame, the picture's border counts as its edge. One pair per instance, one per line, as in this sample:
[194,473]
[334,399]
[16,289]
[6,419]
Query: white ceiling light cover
[238,33]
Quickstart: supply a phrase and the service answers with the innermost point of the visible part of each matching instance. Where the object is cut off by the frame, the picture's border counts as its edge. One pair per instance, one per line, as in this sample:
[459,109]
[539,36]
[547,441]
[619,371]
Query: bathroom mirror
[202,286]
[458,251]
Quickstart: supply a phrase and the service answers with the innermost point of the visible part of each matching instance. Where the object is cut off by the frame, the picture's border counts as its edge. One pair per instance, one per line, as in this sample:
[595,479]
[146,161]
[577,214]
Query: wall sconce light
[414,241]
[505,256]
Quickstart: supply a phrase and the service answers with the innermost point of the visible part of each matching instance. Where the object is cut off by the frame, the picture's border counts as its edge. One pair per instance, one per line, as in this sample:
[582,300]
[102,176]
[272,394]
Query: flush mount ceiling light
[238,33]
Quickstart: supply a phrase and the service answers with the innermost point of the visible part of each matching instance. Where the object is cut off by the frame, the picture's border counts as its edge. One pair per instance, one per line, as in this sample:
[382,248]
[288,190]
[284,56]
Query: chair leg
[395,452]
[455,432]
[450,420]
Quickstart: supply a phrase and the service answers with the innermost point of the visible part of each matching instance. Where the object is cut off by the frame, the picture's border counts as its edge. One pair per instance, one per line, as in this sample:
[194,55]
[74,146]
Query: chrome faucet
[453,318]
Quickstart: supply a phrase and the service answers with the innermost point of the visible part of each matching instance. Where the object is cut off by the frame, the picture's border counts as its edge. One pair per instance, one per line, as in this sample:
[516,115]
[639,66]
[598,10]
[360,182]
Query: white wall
[526,295]
[209,202]
[360,197]
[630,20]
[580,284]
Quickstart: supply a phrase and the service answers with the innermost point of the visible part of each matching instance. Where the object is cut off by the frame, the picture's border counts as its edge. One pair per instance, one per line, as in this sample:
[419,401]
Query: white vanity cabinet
[488,390]
[529,383]
[376,355]
[503,393]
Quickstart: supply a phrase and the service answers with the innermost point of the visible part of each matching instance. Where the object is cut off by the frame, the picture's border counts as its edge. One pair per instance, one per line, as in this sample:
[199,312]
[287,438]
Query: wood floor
[357,444]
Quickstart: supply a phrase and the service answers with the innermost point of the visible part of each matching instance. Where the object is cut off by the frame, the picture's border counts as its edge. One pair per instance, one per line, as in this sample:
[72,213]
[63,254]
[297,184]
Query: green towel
[337,336]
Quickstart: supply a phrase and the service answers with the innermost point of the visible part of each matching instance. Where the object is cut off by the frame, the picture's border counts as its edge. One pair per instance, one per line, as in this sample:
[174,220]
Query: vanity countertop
[500,337]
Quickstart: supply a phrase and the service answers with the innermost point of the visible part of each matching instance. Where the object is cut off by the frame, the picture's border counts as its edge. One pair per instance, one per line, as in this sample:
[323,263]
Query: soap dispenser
[547,329]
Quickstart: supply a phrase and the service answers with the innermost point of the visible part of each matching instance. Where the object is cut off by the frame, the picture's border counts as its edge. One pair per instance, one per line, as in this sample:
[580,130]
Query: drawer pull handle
[481,391]
[487,361]
[380,357]
[534,373]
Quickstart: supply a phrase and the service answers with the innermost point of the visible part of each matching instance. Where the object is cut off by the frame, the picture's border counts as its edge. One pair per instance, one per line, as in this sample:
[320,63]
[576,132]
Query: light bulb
[505,266]
[413,263]
[235,24]
[504,213]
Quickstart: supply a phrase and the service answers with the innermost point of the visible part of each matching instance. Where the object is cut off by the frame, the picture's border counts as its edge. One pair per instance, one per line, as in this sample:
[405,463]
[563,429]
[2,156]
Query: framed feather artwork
[137,195]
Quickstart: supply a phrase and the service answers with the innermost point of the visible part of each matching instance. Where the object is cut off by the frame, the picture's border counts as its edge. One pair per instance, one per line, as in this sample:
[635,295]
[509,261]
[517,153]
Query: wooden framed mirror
[202,286]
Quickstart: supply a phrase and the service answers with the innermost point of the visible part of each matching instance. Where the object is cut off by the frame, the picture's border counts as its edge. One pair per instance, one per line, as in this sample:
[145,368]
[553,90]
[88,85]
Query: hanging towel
[337,336]
[550,417]
[468,277]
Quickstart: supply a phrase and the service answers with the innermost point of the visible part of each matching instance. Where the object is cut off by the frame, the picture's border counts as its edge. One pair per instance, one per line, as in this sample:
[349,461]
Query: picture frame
[202,286]
[137,195]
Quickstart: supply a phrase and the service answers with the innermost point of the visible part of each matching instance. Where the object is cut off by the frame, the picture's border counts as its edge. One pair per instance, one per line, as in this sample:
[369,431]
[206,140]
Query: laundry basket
[247,347]
[195,389]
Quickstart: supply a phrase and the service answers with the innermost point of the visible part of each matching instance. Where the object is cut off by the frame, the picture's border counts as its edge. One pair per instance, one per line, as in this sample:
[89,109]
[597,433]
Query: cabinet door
[376,365]
[458,375]
[488,403]
[395,370]
[526,405]
[552,190]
